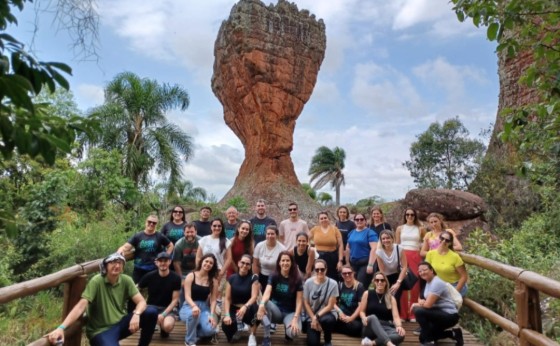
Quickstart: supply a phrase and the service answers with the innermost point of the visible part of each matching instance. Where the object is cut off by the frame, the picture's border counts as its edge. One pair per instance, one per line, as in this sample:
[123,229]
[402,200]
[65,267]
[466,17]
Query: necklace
[379,298]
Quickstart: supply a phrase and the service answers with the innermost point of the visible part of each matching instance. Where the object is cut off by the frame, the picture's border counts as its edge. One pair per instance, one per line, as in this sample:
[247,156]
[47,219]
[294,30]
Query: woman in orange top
[328,242]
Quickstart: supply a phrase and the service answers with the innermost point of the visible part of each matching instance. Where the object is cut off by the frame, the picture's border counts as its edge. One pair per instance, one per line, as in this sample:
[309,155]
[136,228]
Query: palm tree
[133,120]
[326,167]
[324,198]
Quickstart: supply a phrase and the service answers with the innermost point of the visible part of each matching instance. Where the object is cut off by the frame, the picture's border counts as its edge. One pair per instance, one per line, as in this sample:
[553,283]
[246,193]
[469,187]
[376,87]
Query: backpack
[454,295]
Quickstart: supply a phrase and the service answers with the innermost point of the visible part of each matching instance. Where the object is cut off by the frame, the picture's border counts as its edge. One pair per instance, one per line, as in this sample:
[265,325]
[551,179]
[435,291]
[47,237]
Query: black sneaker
[458,336]
[417,331]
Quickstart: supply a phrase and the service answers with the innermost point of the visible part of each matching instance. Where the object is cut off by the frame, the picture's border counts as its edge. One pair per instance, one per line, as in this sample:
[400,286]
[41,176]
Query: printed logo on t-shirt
[258,230]
[148,245]
[282,288]
[347,298]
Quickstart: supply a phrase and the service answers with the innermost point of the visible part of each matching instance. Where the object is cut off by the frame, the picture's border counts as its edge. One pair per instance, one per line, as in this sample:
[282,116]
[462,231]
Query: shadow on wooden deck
[177,337]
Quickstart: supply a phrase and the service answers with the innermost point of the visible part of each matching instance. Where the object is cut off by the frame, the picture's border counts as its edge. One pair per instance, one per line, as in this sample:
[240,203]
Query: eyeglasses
[320,270]
[177,212]
[151,222]
[346,273]
[408,214]
[447,240]
[379,280]
[245,263]
[359,219]
[292,209]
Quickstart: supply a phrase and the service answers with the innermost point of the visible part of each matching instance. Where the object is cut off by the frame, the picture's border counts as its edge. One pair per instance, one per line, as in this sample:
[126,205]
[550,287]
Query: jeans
[277,316]
[248,318]
[463,290]
[120,331]
[199,326]
[381,331]
[434,323]
[327,322]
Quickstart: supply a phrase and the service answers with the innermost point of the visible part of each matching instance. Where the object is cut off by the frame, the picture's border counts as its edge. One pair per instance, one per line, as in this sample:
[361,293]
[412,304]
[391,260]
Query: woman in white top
[216,243]
[266,254]
[409,236]
[388,256]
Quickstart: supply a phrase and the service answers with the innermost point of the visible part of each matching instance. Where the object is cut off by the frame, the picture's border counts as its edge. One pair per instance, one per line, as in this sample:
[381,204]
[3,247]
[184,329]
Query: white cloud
[413,12]
[89,95]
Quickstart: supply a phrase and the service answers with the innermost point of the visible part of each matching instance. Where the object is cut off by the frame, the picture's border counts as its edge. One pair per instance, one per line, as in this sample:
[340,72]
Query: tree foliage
[444,156]
[309,190]
[133,120]
[326,167]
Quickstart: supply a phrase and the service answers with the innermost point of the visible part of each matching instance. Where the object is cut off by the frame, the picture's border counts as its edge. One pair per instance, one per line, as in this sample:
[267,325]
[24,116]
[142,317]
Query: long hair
[222,234]
[184,219]
[389,233]
[347,212]
[355,283]
[416,221]
[213,273]
[440,218]
[378,208]
[386,297]
[250,258]
[451,237]
[248,242]
[293,275]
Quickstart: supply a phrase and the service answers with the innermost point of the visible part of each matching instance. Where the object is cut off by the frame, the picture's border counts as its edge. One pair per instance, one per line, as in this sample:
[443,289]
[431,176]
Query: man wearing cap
[105,300]
[163,292]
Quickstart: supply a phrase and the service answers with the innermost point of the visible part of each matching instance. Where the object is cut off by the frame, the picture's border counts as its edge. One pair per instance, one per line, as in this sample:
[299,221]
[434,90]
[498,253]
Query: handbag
[410,279]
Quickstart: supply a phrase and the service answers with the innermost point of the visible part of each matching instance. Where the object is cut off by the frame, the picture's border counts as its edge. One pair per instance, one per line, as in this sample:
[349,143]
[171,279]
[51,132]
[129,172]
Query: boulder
[453,204]
[266,63]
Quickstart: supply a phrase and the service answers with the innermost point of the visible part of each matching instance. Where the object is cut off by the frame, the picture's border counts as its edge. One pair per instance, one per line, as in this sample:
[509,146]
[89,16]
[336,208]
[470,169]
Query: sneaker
[252,340]
[236,337]
[417,331]
[163,334]
[458,336]
[266,342]
[272,328]
[413,320]
[367,341]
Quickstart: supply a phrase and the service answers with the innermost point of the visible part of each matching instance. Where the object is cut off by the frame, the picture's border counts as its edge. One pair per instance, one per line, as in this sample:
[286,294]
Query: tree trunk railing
[528,284]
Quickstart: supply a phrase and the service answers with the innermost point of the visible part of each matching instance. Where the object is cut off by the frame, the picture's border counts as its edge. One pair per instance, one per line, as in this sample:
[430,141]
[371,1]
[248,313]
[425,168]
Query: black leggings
[434,323]
[249,318]
[327,321]
[353,328]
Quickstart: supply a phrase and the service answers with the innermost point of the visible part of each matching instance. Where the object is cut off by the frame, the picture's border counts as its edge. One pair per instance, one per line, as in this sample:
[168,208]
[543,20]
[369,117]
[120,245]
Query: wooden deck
[177,337]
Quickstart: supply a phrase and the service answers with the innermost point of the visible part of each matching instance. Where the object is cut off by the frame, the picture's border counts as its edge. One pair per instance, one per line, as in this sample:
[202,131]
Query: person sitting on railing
[437,312]
[448,264]
[105,299]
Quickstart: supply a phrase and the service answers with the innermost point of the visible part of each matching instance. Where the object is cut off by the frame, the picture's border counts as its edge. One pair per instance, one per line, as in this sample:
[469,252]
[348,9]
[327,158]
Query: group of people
[343,277]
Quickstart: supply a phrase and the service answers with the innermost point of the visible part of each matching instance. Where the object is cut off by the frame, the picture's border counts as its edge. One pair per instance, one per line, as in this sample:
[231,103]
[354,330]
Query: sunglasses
[320,270]
[245,263]
[292,209]
[408,214]
[346,273]
[359,219]
[151,222]
[379,280]
[177,212]
[447,240]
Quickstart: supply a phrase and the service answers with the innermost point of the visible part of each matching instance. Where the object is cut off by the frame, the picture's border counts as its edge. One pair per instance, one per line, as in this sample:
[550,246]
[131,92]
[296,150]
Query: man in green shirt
[105,299]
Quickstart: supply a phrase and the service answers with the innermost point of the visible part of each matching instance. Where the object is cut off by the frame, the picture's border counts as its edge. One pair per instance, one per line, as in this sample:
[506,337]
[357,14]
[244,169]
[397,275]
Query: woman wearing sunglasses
[388,257]
[448,264]
[242,290]
[350,293]
[437,312]
[174,229]
[431,239]
[380,315]
[282,299]
[360,250]
[319,298]
[409,236]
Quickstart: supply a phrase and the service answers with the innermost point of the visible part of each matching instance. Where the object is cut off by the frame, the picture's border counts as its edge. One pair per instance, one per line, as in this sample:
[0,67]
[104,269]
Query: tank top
[376,306]
[410,237]
[199,292]
[301,260]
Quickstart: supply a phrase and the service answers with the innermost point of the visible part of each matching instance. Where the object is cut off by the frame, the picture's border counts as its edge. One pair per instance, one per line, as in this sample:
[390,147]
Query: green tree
[133,120]
[444,156]
[309,190]
[326,167]
[324,198]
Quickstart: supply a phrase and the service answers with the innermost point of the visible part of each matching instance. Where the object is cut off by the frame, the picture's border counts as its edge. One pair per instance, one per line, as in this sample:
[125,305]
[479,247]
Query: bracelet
[62,326]
[370,265]
[164,314]
[227,315]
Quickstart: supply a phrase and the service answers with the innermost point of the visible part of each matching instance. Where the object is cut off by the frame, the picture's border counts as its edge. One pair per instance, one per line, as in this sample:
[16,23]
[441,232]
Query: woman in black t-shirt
[380,315]
[242,290]
[350,293]
[344,224]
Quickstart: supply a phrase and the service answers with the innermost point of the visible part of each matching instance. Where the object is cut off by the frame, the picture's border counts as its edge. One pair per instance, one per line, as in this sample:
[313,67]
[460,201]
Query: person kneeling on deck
[105,299]
[163,292]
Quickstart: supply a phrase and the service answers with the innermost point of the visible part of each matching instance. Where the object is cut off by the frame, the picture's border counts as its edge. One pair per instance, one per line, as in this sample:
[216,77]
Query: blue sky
[391,68]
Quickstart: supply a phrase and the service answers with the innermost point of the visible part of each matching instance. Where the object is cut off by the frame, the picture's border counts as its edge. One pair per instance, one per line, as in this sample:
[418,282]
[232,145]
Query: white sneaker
[367,341]
[252,340]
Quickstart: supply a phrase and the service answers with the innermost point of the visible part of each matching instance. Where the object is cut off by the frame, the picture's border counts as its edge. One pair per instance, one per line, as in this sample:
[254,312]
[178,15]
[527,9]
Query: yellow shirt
[328,241]
[445,265]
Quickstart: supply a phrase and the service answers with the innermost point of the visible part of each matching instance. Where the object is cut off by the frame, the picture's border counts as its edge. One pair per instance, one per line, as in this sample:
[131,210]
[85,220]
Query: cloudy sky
[391,68]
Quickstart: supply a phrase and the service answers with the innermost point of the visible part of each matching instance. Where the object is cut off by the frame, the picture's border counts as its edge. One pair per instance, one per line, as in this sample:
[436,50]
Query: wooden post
[528,310]
[72,294]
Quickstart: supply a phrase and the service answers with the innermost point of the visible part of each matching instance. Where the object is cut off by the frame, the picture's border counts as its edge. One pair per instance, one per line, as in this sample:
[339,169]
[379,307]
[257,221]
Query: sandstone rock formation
[463,211]
[266,63]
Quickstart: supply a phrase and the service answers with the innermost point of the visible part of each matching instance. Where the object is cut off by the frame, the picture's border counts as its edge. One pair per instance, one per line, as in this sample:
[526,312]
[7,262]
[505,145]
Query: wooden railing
[528,285]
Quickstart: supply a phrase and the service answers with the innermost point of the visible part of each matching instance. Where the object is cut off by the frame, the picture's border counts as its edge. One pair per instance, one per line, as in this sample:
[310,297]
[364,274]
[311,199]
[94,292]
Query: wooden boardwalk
[177,337]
